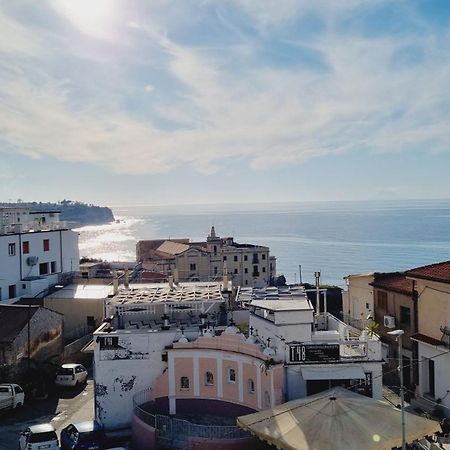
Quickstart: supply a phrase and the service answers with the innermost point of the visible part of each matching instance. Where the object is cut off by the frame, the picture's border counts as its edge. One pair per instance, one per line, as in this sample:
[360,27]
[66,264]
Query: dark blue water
[335,238]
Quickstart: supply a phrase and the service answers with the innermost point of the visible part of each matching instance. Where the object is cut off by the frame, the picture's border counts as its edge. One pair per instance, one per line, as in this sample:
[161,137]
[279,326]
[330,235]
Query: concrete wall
[143,435]
[75,312]
[433,307]
[46,343]
[358,298]
[250,443]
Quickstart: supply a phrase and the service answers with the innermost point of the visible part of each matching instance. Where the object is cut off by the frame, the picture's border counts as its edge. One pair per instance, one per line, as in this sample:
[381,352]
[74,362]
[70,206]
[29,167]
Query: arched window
[266,400]
[251,386]
[209,379]
[231,376]
[184,382]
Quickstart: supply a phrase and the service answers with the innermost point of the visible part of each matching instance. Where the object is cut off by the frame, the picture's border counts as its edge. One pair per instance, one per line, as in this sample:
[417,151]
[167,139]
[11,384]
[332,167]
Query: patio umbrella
[333,420]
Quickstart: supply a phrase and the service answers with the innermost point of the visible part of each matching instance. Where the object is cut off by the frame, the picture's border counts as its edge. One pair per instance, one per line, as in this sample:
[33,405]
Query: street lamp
[397,334]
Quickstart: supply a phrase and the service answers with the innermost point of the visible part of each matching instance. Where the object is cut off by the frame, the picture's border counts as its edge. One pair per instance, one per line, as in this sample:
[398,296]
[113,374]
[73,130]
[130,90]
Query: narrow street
[61,408]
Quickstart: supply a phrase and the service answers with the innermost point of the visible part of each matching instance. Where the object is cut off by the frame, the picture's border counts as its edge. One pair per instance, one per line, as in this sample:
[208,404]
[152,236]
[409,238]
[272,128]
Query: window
[24,286]
[235,271]
[209,379]
[235,257]
[215,249]
[263,256]
[90,321]
[43,269]
[405,315]
[255,271]
[193,266]
[11,249]
[53,267]
[263,269]
[46,244]
[231,376]
[367,306]
[224,258]
[246,270]
[245,257]
[215,270]
[246,282]
[251,386]
[26,247]
[431,383]
[382,300]
[12,291]
[184,382]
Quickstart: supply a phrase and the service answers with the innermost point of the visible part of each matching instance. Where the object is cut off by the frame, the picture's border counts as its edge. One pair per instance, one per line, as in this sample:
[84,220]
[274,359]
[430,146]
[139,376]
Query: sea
[335,238]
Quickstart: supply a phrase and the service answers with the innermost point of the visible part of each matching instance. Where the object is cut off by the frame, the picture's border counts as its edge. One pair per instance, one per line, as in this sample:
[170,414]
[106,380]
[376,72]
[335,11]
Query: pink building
[224,375]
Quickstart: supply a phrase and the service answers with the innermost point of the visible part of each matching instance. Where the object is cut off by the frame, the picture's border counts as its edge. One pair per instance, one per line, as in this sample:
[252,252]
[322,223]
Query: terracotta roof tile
[434,272]
[396,282]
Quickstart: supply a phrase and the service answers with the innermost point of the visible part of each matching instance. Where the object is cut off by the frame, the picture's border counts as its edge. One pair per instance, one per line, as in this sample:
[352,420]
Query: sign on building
[307,353]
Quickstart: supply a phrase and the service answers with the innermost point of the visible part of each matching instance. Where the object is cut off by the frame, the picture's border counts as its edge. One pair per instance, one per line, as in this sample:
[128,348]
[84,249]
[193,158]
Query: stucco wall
[358,294]
[143,435]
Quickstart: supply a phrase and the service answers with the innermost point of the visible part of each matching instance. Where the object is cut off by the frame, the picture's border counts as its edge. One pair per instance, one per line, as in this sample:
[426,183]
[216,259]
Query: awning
[333,373]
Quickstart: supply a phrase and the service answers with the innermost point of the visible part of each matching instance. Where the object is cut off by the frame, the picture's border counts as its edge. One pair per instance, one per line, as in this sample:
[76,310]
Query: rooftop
[439,272]
[14,319]
[395,282]
[162,292]
[91,291]
[298,304]
[270,293]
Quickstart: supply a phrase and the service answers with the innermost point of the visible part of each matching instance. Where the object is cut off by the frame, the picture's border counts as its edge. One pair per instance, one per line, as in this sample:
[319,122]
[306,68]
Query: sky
[170,102]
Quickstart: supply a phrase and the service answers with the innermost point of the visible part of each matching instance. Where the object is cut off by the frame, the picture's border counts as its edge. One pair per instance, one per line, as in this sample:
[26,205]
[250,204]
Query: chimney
[126,280]
[115,283]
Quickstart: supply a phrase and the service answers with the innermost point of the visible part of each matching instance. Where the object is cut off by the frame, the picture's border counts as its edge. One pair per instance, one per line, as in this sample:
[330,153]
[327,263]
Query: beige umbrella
[335,419]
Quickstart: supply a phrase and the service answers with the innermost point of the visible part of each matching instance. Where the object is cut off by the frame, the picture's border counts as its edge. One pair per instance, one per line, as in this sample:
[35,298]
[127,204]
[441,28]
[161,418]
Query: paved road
[61,408]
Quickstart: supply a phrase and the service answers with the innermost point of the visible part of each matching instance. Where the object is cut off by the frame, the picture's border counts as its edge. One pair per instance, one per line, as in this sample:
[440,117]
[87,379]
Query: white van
[71,375]
[39,437]
[11,396]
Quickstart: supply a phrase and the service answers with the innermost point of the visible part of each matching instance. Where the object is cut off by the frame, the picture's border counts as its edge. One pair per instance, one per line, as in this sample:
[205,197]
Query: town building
[395,307]
[37,251]
[432,284]
[319,350]
[29,336]
[357,299]
[247,264]
[172,350]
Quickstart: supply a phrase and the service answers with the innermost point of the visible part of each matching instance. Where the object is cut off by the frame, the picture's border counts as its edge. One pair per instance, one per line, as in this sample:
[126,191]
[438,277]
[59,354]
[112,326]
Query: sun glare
[95,18]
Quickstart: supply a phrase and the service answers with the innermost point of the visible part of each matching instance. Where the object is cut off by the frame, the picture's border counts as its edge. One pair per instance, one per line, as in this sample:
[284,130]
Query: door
[431,385]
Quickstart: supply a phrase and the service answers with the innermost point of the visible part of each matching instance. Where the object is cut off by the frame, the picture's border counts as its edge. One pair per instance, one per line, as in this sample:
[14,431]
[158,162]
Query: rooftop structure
[439,272]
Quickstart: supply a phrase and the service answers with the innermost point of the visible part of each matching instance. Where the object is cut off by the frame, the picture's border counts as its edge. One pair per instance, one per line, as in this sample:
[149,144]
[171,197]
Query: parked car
[71,375]
[83,436]
[11,396]
[39,437]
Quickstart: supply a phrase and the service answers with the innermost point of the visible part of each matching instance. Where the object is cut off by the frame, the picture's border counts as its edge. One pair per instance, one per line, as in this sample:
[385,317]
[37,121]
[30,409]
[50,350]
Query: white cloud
[268,115]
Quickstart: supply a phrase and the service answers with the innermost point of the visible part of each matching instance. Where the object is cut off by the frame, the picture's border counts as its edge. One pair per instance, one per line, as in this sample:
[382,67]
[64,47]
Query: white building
[36,251]
[319,351]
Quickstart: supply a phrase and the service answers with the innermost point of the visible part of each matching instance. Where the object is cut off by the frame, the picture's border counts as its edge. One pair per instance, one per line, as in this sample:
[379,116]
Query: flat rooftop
[250,294]
[91,291]
[298,304]
[162,292]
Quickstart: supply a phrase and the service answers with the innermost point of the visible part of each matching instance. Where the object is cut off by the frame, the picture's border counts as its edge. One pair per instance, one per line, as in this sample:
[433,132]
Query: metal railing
[179,430]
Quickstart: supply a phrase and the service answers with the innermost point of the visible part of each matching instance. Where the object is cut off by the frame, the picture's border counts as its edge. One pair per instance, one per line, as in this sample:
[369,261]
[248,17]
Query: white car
[11,396]
[71,375]
[39,437]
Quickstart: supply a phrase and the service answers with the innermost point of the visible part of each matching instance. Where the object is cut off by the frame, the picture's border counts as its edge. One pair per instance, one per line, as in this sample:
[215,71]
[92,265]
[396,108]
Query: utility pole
[398,337]
[300,273]
[317,276]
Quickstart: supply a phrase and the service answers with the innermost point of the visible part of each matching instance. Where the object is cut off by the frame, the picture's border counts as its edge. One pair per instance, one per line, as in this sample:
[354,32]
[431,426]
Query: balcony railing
[171,429]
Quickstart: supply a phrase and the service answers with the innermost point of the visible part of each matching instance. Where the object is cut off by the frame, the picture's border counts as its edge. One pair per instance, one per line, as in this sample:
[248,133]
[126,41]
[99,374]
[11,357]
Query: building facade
[432,284]
[247,264]
[34,254]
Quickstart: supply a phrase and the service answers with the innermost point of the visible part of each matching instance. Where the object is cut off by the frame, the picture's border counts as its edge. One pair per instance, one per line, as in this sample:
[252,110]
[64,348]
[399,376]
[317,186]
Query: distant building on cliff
[248,264]
[37,250]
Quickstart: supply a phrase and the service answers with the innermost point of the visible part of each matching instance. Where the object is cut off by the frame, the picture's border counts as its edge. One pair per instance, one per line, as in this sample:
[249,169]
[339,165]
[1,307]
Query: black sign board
[109,343]
[307,353]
